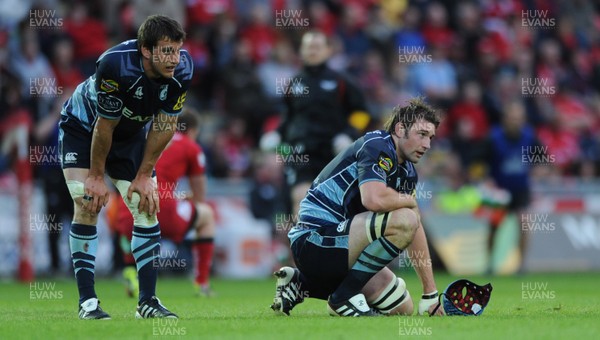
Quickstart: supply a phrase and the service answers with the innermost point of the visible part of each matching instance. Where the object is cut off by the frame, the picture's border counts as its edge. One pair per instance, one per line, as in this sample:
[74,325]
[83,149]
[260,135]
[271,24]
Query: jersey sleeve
[372,161]
[196,160]
[176,94]
[108,89]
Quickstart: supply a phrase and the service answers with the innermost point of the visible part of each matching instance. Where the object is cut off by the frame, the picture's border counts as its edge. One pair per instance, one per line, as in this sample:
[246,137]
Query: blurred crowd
[468,58]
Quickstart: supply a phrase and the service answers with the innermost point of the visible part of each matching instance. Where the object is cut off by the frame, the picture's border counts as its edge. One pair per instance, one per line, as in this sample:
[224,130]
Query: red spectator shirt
[182,157]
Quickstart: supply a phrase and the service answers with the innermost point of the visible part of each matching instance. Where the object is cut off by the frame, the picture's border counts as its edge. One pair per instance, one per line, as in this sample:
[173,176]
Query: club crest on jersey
[108,85]
[163,92]
[139,93]
[385,162]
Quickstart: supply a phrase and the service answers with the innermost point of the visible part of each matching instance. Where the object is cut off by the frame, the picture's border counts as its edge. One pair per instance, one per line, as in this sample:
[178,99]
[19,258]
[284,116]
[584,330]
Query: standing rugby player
[102,131]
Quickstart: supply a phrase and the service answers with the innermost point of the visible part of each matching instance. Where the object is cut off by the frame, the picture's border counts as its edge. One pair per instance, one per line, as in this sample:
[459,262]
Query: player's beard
[159,69]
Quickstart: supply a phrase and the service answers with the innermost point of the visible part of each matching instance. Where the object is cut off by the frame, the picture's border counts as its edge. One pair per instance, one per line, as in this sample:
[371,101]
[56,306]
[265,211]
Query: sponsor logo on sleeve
[109,85]
[109,103]
[385,163]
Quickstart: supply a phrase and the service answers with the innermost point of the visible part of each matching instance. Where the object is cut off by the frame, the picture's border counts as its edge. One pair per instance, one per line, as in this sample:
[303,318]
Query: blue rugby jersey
[120,90]
[334,196]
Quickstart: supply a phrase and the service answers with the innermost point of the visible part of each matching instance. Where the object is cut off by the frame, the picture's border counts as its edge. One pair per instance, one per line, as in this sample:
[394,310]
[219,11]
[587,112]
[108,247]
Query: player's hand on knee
[146,188]
[95,194]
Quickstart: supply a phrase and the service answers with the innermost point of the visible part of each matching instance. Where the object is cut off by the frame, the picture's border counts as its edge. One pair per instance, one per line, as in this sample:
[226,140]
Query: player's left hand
[429,304]
[146,188]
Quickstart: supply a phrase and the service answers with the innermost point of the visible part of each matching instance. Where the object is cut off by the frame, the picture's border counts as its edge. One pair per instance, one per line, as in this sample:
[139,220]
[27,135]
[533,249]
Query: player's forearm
[156,142]
[101,143]
[389,199]
[421,260]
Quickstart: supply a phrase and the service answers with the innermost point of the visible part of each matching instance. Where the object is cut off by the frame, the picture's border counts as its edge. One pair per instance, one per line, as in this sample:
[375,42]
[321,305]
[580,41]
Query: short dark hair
[188,119]
[317,32]
[158,27]
[407,115]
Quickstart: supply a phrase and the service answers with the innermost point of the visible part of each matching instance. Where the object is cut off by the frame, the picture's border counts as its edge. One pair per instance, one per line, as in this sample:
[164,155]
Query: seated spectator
[82,27]
[67,75]
[436,80]
[467,121]
[435,29]
[259,33]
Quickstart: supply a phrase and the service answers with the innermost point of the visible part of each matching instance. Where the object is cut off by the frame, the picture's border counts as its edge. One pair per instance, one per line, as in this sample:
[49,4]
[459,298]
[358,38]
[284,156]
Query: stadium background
[467,57]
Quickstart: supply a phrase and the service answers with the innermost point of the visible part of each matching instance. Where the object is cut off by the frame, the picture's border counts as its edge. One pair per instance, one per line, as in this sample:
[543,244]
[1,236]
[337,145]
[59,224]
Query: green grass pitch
[540,306]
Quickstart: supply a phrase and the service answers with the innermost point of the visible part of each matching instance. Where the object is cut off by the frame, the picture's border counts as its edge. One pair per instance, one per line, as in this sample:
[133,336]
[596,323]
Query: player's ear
[399,129]
[146,52]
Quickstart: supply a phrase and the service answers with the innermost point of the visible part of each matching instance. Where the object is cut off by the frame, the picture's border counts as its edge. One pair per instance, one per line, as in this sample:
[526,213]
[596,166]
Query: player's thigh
[369,226]
[176,218]
[125,157]
[321,256]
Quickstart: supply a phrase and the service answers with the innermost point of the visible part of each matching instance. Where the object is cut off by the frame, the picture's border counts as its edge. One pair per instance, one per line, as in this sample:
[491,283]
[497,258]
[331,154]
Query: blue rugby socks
[373,258]
[145,246]
[83,241]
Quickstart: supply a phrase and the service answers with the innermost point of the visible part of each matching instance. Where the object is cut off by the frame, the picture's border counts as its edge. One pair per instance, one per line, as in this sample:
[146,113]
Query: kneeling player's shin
[392,297]
[373,258]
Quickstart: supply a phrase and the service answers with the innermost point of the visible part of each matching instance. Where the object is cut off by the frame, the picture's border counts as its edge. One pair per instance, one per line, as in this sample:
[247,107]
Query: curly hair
[408,114]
